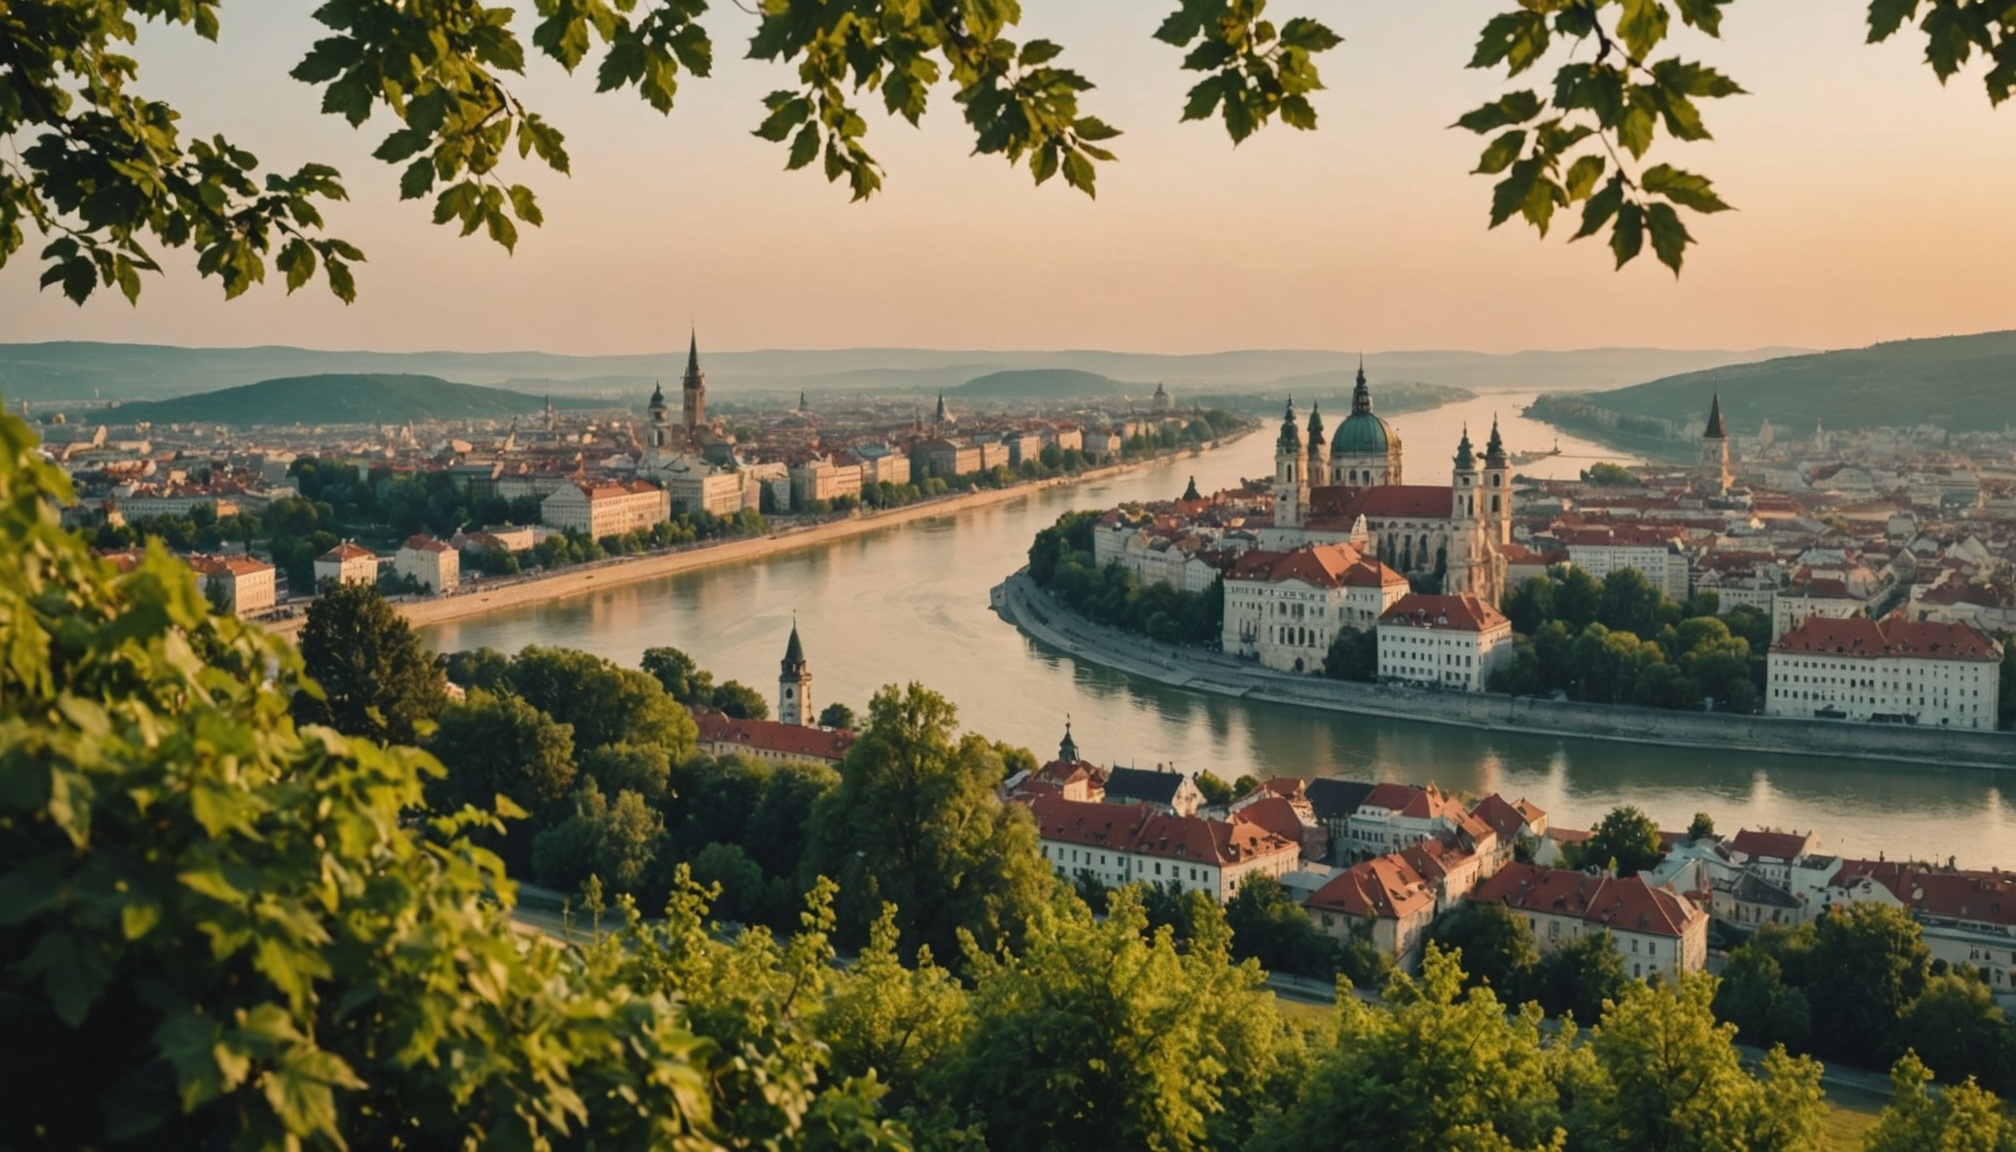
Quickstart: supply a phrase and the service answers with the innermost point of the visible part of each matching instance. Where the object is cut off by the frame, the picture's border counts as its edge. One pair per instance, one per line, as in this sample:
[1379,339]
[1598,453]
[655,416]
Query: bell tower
[1715,452]
[1291,479]
[1496,494]
[1463,520]
[794,684]
[694,387]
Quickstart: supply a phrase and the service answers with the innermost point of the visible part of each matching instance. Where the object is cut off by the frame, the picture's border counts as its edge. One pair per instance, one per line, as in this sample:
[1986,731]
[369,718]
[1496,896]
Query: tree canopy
[110,176]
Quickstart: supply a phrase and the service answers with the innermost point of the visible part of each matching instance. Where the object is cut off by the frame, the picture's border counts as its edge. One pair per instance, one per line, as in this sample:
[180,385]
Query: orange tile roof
[1317,565]
[1626,905]
[1333,505]
[228,565]
[1755,842]
[1460,613]
[771,736]
[1384,888]
[1139,829]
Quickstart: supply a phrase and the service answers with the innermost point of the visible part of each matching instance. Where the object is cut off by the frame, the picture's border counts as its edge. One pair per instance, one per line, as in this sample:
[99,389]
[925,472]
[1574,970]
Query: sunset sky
[1873,205]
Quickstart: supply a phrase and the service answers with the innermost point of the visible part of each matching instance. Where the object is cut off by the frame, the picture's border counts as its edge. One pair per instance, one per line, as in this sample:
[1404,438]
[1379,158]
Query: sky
[1873,204]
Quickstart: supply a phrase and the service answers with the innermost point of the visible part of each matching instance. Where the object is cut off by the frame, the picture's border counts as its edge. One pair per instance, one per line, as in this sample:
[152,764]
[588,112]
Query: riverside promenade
[1019,601]
[477,597]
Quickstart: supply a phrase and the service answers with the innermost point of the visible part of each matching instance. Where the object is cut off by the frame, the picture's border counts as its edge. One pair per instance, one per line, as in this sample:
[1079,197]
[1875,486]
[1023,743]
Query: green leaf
[1628,236]
[804,147]
[1511,108]
[526,205]
[138,919]
[1642,27]
[1309,35]
[1515,39]
[1502,152]
[341,283]
[1684,188]
[1601,206]
[1703,14]
[1510,195]
[1039,52]
[1582,176]
[1886,16]
[1669,235]
[1078,173]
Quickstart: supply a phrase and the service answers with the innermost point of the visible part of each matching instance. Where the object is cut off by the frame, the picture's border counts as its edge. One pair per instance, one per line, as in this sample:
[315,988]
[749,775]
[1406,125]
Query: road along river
[910,602]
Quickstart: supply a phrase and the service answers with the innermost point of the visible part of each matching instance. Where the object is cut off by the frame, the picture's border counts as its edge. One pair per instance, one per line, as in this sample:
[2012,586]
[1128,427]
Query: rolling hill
[72,371]
[1959,383]
[335,399]
[1047,384]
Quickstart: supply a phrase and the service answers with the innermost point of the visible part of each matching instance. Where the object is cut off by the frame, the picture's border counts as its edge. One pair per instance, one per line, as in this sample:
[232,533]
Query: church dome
[1362,432]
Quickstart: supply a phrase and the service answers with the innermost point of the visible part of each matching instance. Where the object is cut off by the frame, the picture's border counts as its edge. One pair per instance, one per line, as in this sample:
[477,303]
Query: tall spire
[694,386]
[1466,458]
[1067,750]
[693,352]
[1494,449]
[1361,395]
[794,652]
[1291,436]
[1715,429]
[1315,430]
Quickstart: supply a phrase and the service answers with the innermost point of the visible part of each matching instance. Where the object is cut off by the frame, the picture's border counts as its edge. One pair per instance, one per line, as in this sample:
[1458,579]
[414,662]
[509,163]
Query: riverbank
[1020,602]
[480,597]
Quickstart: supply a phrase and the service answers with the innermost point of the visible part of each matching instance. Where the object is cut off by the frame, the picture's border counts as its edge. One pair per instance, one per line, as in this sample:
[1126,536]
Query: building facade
[606,509]
[434,564]
[794,685]
[1890,671]
[1452,642]
[347,563]
[1285,608]
[240,585]
[1120,844]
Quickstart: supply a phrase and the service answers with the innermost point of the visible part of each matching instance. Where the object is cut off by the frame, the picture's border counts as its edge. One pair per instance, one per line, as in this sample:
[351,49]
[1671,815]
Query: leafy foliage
[110,172]
[1626,838]
[371,677]
[916,823]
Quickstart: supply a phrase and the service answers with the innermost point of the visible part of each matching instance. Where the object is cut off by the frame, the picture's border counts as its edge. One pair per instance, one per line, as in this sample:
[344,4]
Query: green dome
[1362,432]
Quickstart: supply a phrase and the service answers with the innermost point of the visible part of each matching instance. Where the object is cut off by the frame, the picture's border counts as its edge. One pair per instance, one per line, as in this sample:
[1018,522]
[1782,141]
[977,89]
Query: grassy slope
[1961,383]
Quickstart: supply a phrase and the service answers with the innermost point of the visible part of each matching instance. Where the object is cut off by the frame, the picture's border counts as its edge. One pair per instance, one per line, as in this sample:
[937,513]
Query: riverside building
[1285,608]
[1892,671]
[1443,642]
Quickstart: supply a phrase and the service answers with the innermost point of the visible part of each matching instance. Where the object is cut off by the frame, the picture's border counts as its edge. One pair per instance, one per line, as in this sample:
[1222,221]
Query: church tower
[1067,749]
[1497,490]
[661,421]
[695,387]
[794,684]
[1465,524]
[1291,479]
[1318,470]
[1715,452]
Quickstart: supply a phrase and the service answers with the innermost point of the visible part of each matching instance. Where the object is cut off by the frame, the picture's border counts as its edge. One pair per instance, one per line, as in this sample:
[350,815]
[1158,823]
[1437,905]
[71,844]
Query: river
[910,603]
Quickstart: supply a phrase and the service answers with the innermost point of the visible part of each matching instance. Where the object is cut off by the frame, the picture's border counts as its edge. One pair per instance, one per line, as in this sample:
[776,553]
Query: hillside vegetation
[335,399]
[1960,383]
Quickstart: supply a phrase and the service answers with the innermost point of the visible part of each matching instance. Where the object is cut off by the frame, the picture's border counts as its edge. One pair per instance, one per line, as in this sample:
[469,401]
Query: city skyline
[1867,210]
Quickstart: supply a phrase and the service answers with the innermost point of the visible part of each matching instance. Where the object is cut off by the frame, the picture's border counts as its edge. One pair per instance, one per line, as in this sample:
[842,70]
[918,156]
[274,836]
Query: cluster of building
[1885,581]
[1382,862]
[596,473]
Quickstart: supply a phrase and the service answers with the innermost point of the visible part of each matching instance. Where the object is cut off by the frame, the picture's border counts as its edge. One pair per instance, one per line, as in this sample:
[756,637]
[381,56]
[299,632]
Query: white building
[237,584]
[1658,554]
[692,485]
[435,564]
[606,509]
[1443,641]
[1120,844]
[1654,930]
[1285,608]
[821,479]
[1889,671]
[347,563]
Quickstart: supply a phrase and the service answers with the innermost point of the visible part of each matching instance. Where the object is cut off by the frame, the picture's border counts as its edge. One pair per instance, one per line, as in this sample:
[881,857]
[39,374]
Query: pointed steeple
[1466,458]
[693,353]
[941,406]
[794,653]
[1715,429]
[657,394]
[1494,448]
[1361,393]
[1067,750]
[1315,430]
[1291,436]
[1190,493]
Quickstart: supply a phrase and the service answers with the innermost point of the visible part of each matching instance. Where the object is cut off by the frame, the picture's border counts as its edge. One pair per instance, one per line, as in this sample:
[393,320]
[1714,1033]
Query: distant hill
[336,399]
[1047,384]
[1959,383]
[1331,392]
[72,371]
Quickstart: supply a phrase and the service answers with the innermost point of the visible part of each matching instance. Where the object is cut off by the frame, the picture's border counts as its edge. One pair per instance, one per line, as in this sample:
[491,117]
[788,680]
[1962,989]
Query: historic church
[1351,490]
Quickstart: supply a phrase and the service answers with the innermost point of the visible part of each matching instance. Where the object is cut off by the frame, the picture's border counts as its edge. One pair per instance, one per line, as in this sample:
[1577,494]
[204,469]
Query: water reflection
[910,603]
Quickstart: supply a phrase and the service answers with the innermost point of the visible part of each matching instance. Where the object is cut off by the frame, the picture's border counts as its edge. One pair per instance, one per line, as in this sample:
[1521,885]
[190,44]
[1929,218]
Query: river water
[910,603]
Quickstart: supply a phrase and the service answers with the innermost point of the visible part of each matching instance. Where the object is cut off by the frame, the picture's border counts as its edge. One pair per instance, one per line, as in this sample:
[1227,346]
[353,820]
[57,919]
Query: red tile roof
[771,736]
[1946,893]
[1501,816]
[1459,613]
[228,565]
[1759,842]
[1276,815]
[349,550]
[425,544]
[1317,565]
[1627,905]
[1392,797]
[1385,888]
[1329,506]
[1139,829]
[1860,636]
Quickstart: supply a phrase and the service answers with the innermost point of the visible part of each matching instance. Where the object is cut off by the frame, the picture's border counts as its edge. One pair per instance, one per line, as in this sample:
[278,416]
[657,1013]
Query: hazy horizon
[1871,207]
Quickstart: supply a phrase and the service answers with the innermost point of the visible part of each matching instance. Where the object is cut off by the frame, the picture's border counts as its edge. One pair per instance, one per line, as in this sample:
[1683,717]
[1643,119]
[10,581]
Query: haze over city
[1872,205]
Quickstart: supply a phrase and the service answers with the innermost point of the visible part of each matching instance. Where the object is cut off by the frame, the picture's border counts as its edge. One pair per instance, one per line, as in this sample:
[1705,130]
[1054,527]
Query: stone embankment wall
[1031,610]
